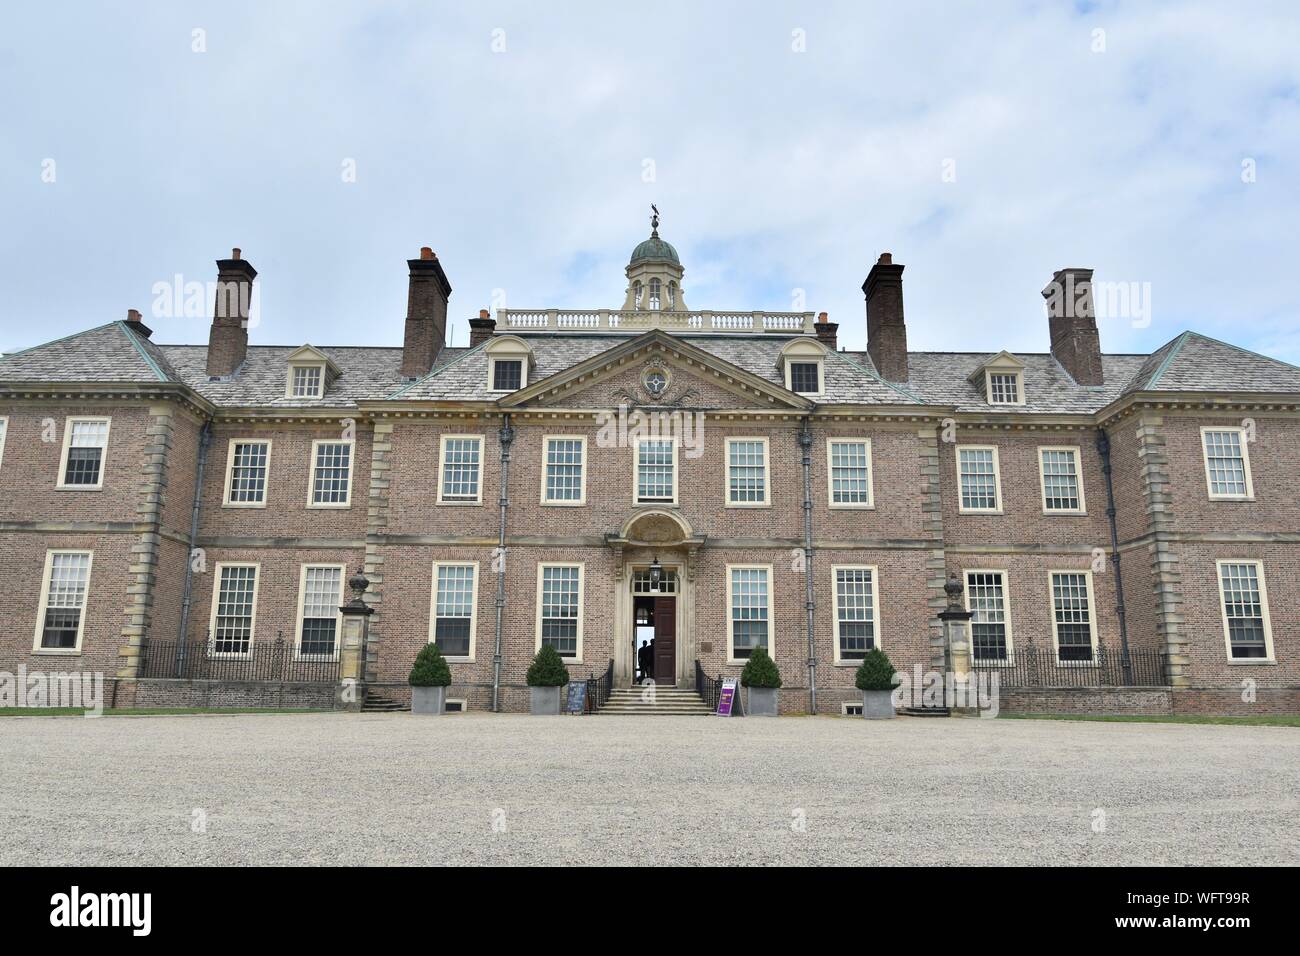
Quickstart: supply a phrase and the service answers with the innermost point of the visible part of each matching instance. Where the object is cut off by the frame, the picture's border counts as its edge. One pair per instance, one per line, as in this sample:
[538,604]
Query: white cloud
[775,169]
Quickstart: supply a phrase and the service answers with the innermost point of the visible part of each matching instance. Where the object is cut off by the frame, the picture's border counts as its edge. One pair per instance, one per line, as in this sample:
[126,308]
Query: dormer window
[803,363]
[1004,388]
[306,381]
[310,374]
[509,359]
[507,374]
[1002,377]
[806,377]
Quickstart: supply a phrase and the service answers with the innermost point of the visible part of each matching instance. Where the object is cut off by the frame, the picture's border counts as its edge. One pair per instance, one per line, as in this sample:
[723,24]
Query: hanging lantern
[656,575]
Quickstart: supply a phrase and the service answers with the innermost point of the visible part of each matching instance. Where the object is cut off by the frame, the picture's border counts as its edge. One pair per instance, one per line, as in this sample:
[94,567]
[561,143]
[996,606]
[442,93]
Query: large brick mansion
[788,494]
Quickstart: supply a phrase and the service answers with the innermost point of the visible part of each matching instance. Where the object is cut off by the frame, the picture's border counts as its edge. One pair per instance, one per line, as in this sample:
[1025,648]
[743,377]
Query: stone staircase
[663,702]
[379,704]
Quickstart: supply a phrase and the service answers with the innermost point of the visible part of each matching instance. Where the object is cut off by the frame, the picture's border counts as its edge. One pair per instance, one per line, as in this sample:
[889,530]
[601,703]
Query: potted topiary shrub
[761,680]
[546,675]
[876,681]
[429,679]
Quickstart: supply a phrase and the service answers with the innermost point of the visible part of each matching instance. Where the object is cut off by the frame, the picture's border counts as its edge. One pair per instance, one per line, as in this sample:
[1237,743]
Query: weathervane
[654,219]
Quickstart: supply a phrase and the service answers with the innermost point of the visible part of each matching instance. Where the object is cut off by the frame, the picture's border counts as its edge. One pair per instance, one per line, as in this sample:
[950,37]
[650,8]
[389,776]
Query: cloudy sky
[786,144]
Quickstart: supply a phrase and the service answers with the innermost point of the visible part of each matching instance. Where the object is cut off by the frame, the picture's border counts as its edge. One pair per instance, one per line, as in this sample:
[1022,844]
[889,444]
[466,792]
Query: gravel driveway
[477,788]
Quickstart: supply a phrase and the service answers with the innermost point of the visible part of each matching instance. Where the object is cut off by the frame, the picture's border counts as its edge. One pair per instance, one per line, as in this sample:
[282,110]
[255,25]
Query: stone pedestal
[352,647]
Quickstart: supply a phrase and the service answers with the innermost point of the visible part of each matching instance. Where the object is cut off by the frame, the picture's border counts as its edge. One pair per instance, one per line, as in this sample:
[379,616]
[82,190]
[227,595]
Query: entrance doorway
[654,638]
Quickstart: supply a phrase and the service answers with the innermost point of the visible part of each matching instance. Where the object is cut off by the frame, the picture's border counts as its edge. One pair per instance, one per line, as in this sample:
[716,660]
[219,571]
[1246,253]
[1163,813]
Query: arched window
[672,296]
[636,294]
[654,294]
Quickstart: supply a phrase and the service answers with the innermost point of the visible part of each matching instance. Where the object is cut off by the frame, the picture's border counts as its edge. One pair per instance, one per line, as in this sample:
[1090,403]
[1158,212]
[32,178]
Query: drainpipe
[1103,448]
[805,443]
[507,436]
[205,440]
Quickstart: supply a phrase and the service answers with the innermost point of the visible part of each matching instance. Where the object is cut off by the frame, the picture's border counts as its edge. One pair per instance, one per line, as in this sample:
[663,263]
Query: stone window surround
[216,602]
[1092,614]
[581,599]
[442,472]
[1269,653]
[766,501]
[473,608]
[46,575]
[1245,463]
[302,600]
[870,503]
[61,483]
[1075,450]
[997,480]
[835,610]
[226,501]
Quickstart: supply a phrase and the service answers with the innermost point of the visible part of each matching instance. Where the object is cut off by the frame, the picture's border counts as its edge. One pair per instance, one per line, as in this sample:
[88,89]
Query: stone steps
[665,702]
[379,704]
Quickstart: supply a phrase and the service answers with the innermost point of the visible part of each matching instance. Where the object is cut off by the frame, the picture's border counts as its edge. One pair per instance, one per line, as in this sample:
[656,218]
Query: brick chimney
[136,324]
[886,330]
[426,314]
[481,329]
[1072,319]
[228,340]
[826,331]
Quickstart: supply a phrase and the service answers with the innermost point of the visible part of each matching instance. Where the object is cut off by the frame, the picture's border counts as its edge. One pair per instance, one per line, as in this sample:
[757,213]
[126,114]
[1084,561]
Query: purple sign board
[726,697]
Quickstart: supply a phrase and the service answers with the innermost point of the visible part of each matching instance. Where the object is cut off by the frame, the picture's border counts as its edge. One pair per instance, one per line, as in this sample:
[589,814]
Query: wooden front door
[666,641]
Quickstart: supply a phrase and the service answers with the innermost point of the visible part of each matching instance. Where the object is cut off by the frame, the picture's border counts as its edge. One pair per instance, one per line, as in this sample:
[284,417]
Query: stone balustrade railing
[612,320]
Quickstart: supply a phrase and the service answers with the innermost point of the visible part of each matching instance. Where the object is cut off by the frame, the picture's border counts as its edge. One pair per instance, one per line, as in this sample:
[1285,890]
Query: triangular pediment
[656,370]
[307,353]
[1003,361]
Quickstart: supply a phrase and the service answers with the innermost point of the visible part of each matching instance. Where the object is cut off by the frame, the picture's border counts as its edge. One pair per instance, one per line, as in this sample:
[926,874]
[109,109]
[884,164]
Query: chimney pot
[234,253]
[135,323]
[886,259]
[826,331]
[482,328]
[426,253]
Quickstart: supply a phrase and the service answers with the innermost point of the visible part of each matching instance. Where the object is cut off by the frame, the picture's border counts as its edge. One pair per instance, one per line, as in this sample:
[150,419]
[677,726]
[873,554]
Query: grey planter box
[545,700]
[430,701]
[877,704]
[761,701]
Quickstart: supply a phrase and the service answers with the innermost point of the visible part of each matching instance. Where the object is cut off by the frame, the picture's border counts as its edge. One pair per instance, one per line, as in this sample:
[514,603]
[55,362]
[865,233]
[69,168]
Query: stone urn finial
[358,583]
[953,589]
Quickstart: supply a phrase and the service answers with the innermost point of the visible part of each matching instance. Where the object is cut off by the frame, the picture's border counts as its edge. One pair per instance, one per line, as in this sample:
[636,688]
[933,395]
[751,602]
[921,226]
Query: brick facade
[1170,532]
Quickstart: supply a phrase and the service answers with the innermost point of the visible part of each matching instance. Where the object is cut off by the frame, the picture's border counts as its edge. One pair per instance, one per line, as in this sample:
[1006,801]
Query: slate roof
[943,378]
[109,353]
[1197,363]
[113,353]
[847,380]
[367,374]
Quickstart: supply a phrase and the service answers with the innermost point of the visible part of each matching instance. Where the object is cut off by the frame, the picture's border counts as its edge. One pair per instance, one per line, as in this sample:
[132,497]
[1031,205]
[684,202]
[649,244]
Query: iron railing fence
[1102,666]
[599,688]
[276,660]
